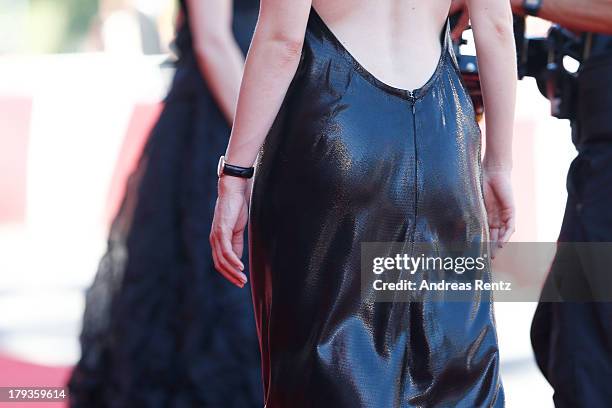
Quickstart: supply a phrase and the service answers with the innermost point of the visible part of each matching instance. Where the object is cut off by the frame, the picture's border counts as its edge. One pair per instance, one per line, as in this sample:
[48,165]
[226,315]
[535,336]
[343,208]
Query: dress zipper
[412,99]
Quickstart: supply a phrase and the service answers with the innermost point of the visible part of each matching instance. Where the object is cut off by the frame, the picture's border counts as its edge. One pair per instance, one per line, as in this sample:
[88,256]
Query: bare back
[396,40]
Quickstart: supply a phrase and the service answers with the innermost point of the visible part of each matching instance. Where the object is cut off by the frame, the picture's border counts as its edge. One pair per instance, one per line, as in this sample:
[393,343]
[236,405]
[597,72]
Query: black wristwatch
[532,7]
[224,168]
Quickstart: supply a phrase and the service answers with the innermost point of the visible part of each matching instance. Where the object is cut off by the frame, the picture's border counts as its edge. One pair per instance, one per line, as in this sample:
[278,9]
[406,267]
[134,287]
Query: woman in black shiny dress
[161,327]
[347,158]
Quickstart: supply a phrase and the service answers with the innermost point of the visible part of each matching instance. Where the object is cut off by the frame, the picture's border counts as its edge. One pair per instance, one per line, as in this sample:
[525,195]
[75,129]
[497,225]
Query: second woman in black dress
[161,327]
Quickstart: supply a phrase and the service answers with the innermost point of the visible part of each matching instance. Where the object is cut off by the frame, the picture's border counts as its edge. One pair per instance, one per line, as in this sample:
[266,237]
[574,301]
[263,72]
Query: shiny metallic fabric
[348,160]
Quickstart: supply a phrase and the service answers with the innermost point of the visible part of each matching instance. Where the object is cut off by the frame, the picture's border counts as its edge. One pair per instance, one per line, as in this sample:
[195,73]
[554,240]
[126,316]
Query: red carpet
[15,373]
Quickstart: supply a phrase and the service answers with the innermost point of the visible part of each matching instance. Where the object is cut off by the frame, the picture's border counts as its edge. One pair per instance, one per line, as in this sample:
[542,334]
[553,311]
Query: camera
[543,58]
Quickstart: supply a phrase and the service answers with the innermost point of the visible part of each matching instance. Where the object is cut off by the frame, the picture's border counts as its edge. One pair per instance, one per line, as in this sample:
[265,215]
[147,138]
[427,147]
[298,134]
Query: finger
[228,258]
[500,234]
[227,251]
[226,265]
[222,271]
[222,264]
[223,241]
[228,271]
[493,234]
[509,230]
[223,267]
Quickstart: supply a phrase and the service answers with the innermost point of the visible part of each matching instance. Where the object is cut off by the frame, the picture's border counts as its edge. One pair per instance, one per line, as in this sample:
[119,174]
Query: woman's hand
[227,232]
[499,203]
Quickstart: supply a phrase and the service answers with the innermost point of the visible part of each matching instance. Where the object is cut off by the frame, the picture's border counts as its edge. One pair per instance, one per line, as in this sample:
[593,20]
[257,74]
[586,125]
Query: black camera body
[543,59]
[540,58]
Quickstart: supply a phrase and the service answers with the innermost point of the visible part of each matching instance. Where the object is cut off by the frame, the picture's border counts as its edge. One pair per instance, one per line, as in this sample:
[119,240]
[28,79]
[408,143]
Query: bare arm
[271,64]
[494,36]
[580,15]
[219,58]
[493,33]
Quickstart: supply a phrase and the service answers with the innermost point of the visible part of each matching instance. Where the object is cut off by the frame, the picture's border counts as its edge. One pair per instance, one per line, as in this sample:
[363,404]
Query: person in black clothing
[572,341]
[161,327]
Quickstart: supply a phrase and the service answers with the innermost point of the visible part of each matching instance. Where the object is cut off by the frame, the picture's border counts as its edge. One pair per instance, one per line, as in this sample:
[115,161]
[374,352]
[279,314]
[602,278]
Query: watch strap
[237,171]
[232,170]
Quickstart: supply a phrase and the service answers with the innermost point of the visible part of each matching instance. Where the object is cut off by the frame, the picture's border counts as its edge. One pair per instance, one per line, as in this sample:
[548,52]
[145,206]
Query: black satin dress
[162,328]
[348,160]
